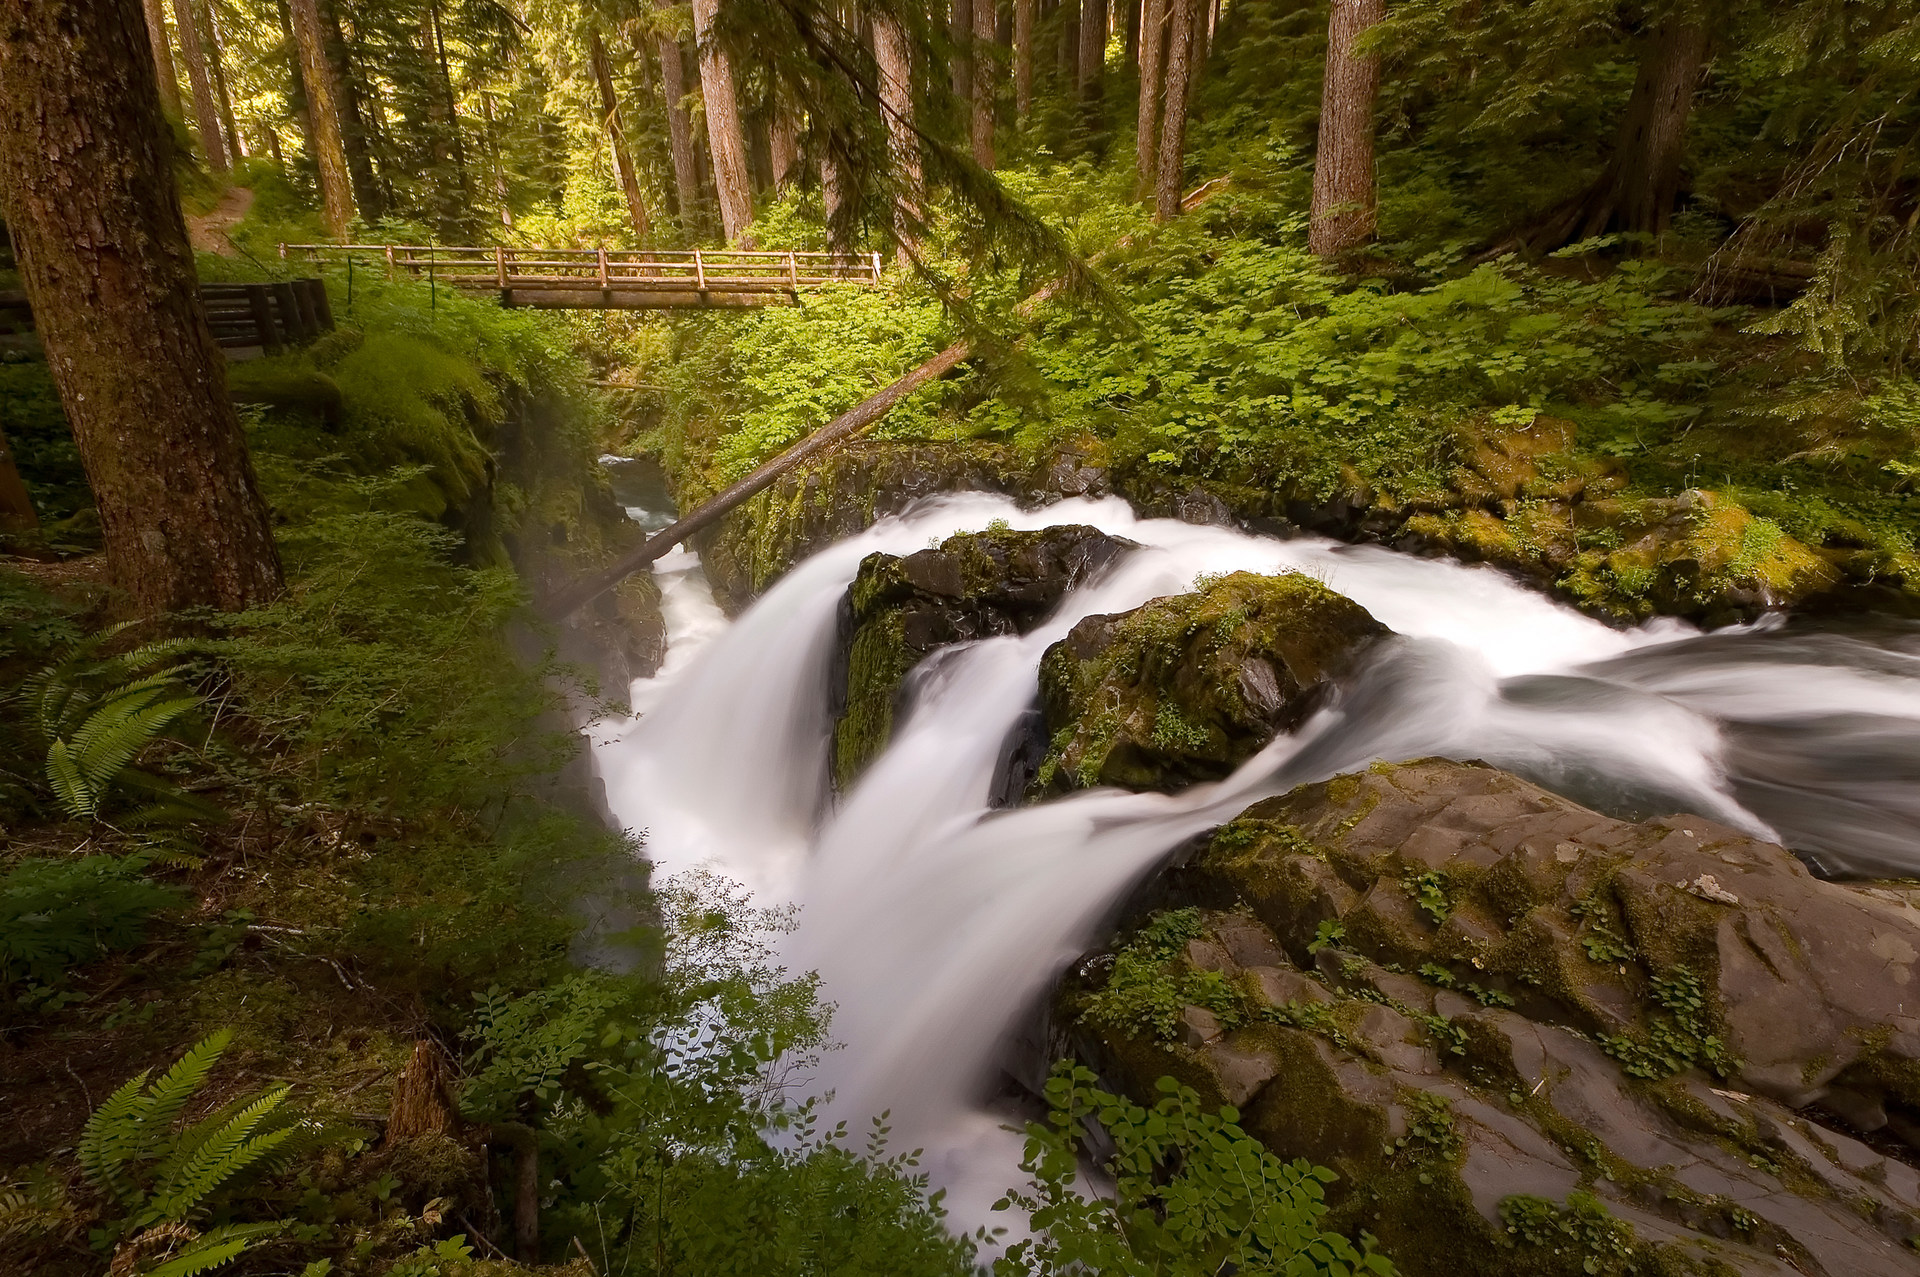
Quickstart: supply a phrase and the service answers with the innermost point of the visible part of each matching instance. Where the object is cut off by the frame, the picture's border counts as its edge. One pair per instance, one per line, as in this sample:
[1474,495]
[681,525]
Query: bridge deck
[605,278]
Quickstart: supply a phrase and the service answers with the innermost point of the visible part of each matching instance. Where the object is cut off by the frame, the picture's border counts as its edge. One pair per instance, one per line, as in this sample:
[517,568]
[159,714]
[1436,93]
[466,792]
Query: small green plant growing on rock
[1679,1037]
[1327,935]
[1582,1237]
[1194,1195]
[1150,983]
[1430,1137]
[1430,893]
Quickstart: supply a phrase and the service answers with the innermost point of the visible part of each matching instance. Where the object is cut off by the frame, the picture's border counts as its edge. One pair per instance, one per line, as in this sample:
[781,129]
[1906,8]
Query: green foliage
[1678,1036]
[1430,893]
[1327,935]
[1583,1237]
[99,714]
[1194,1195]
[158,1174]
[1151,982]
[58,914]
[662,1121]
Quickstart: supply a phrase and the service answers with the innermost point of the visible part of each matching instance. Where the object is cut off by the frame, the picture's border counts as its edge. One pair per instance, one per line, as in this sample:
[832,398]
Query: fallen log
[571,598]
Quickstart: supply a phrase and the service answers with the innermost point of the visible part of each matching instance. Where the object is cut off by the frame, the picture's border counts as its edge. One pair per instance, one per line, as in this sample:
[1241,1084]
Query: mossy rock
[1186,688]
[1531,1038]
[288,384]
[972,586]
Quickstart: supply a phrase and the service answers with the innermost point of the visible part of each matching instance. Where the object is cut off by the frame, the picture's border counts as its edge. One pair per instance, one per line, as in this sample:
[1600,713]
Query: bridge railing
[695,270]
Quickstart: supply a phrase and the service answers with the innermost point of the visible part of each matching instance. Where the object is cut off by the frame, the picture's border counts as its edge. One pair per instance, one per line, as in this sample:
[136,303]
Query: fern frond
[121,728]
[213,1248]
[193,1174]
[178,1084]
[77,798]
[111,1137]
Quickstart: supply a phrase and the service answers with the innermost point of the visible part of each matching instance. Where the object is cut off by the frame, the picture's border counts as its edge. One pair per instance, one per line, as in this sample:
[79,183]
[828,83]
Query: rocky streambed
[1529,1036]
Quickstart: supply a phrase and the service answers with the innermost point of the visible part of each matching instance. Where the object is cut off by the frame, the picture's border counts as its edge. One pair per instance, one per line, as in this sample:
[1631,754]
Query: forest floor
[208,230]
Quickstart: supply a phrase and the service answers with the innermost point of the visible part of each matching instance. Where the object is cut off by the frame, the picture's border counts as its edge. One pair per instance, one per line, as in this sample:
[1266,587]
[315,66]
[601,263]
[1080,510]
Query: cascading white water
[937,924]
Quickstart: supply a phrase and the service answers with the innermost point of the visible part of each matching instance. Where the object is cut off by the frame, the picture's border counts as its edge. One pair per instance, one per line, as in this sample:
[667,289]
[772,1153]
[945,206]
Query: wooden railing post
[601,257]
[389,249]
[700,273]
[500,268]
[793,276]
[261,305]
[321,306]
[876,267]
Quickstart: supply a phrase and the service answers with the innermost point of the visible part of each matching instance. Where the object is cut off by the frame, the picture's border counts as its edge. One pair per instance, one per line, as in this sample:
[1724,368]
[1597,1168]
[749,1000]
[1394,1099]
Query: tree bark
[617,136]
[329,150]
[725,138]
[980,132]
[369,196]
[85,170]
[960,32]
[16,503]
[1134,21]
[1067,59]
[1343,215]
[163,56]
[673,88]
[1641,183]
[1172,159]
[896,103]
[236,145]
[1023,58]
[1090,81]
[206,115]
[783,146]
[502,192]
[1152,84]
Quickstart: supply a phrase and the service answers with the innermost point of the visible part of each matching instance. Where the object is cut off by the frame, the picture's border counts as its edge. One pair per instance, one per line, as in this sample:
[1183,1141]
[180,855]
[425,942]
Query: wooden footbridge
[605,278]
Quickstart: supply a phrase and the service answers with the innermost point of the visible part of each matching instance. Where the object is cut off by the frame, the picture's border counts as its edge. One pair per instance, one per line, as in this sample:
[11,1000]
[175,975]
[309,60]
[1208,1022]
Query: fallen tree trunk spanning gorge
[571,598]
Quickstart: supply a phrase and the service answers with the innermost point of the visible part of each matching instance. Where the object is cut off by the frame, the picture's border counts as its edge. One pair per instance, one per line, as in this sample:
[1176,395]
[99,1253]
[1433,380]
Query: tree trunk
[960,32]
[1343,214]
[501,191]
[1642,181]
[981,131]
[1067,60]
[1202,42]
[610,120]
[456,142]
[1090,80]
[236,145]
[329,150]
[86,173]
[896,104]
[163,57]
[1152,84]
[16,503]
[673,87]
[206,115]
[1023,58]
[783,146]
[1173,109]
[272,135]
[369,196]
[725,138]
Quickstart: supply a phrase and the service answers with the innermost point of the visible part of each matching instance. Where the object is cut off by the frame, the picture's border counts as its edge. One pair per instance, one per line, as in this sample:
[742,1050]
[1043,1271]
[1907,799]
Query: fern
[162,1177]
[57,914]
[100,713]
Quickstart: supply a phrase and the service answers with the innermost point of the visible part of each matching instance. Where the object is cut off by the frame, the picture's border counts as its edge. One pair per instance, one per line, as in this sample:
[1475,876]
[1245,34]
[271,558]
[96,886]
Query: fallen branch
[571,598]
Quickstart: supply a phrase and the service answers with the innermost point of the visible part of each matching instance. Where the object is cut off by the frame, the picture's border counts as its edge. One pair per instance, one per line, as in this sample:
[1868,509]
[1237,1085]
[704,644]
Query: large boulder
[1188,687]
[972,586]
[1534,1039]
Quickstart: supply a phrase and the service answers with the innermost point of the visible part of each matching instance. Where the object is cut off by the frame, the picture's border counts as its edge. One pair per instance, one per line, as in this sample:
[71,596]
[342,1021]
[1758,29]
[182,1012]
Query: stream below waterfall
[938,925]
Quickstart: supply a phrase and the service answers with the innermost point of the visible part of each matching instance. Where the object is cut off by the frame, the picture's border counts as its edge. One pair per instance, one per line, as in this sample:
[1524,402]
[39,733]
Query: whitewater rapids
[938,925]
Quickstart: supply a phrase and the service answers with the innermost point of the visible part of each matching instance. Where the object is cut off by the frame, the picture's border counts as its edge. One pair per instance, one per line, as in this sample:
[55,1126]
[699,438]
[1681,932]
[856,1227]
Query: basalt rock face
[1534,1039]
[973,586]
[859,483]
[1188,687]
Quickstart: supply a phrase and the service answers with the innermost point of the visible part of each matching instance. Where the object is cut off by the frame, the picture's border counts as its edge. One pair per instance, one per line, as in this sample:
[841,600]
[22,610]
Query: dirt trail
[208,230]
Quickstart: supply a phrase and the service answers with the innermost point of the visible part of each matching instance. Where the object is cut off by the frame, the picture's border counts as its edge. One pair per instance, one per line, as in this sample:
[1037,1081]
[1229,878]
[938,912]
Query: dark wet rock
[972,586]
[1186,688]
[1530,1037]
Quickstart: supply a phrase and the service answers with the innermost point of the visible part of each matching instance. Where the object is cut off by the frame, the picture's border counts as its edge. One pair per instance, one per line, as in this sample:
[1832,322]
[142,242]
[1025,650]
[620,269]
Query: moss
[877,664]
[1172,692]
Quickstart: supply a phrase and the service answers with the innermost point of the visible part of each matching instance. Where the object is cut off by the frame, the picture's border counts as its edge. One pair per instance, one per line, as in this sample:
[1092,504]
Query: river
[938,924]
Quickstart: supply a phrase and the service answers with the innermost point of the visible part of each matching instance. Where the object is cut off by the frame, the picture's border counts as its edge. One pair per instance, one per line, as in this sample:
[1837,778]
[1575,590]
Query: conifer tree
[726,140]
[87,178]
[1343,198]
[163,56]
[325,142]
[617,137]
[206,112]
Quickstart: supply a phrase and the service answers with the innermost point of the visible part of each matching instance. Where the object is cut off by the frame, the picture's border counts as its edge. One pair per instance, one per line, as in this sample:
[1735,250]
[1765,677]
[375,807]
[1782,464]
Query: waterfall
[938,925]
